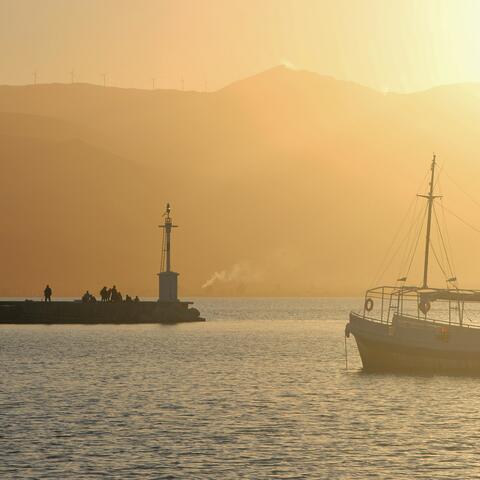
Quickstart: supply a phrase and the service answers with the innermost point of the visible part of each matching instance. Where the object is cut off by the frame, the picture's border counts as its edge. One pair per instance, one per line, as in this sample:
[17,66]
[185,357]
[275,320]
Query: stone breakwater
[63,312]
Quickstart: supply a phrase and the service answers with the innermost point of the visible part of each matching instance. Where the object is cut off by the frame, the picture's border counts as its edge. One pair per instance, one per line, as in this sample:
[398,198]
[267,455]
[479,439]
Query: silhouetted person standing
[104,294]
[48,293]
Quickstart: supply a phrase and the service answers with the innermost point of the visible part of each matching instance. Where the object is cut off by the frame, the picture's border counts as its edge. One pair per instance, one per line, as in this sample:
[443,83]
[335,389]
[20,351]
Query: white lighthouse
[167,280]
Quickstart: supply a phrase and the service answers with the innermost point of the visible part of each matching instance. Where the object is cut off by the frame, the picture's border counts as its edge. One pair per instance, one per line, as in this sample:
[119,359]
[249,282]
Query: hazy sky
[399,45]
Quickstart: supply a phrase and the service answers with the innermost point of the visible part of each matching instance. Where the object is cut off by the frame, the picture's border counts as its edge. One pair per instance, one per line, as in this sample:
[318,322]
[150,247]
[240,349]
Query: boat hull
[410,345]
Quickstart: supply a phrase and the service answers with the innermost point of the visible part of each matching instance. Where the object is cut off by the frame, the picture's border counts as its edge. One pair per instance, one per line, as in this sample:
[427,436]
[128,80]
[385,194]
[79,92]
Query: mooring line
[346,354]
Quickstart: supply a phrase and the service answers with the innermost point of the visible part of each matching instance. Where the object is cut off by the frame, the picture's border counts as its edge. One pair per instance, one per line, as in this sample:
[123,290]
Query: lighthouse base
[168,287]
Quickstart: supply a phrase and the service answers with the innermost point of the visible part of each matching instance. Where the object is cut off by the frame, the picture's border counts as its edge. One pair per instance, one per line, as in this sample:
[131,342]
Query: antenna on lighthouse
[167,280]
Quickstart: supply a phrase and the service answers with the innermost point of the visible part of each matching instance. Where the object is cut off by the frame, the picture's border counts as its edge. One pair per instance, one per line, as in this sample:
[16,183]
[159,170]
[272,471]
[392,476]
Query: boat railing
[383,303]
[429,320]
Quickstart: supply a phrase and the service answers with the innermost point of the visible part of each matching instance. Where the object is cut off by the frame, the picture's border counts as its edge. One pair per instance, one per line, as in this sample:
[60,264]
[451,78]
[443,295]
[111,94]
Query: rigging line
[465,314]
[416,244]
[397,233]
[440,256]
[414,247]
[443,242]
[462,220]
[411,250]
[389,263]
[414,204]
[416,218]
[437,180]
[422,183]
[447,235]
[411,243]
[438,261]
[468,318]
[471,197]
[445,255]
[405,240]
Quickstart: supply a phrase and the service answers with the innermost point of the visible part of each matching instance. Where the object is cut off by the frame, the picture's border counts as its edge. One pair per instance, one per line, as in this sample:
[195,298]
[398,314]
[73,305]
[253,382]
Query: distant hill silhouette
[285,183]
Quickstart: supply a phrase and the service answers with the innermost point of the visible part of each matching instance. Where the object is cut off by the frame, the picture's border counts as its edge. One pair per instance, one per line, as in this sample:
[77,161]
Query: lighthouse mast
[167,226]
[167,280]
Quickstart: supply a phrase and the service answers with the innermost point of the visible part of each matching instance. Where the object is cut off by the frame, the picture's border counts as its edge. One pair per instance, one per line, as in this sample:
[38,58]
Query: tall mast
[430,198]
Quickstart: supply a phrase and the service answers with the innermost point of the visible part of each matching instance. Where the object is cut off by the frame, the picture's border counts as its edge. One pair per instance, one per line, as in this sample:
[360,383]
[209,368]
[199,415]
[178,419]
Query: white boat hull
[412,345]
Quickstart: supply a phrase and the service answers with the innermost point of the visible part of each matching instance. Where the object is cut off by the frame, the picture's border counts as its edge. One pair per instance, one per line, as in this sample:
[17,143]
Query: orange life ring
[443,334]
[368,304]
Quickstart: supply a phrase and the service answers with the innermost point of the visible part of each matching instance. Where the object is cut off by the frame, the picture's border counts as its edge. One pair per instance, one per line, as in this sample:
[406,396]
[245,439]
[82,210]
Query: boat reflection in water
[418,329]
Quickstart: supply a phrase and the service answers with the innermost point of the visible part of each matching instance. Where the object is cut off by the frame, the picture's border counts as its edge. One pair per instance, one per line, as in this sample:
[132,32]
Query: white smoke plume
[241,272]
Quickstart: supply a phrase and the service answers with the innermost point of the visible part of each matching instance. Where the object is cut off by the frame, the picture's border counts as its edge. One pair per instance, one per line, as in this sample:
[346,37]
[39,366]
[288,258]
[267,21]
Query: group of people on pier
[106,295]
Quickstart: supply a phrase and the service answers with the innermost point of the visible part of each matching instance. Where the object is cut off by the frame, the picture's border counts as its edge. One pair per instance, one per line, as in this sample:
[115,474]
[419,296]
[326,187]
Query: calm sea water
[259,391]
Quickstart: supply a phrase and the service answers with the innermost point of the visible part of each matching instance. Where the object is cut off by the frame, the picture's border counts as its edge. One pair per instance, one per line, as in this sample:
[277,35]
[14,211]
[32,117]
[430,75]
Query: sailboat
[405,328]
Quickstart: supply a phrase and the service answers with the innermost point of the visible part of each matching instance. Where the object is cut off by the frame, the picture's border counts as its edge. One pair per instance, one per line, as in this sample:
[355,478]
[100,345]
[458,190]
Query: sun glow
[408,45]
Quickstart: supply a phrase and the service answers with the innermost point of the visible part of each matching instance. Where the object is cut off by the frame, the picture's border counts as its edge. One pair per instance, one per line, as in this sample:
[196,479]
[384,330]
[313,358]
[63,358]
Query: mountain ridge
[291,179]
[267,72]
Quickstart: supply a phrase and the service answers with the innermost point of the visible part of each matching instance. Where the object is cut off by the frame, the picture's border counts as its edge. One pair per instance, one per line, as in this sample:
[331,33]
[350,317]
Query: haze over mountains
[285,183]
